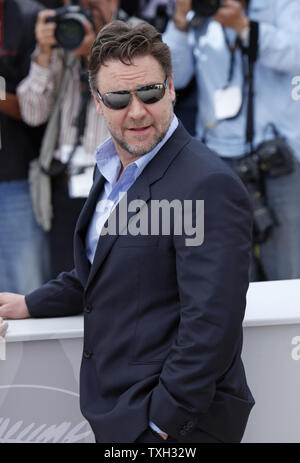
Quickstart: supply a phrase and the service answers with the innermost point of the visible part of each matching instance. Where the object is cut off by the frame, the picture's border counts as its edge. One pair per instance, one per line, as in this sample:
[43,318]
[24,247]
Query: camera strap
[232,49]
[227,88]
[252,53]
[81,119]
[60,168]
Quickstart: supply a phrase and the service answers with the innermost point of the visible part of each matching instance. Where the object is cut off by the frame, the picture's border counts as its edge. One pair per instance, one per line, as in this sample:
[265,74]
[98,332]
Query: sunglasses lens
[151,95]
[116,100]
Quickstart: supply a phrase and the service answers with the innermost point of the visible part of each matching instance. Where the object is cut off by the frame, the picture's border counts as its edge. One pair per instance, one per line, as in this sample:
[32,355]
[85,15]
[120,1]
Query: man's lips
[139,129]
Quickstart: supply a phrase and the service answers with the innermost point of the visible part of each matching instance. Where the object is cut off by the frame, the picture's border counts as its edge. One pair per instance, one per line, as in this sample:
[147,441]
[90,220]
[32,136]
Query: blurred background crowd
[236,68]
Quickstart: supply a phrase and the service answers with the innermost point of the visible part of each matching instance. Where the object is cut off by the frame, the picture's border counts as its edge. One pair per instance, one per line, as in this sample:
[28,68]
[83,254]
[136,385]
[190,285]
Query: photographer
[23,244]
[245,100]
[58,74]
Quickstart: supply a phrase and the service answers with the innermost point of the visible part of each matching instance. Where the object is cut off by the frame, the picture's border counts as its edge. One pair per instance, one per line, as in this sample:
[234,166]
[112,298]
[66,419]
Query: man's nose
[136,107]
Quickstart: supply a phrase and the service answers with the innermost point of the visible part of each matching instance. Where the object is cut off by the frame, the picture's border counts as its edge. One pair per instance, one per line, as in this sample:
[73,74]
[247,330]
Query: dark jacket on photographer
[16,136]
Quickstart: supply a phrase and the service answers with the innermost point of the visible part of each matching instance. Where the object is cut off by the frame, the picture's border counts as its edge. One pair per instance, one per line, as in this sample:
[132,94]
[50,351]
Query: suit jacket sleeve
[61,297]
[212,284]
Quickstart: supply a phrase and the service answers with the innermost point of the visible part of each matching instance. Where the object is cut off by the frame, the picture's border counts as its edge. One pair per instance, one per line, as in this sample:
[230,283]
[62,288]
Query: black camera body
[70,30]
[273,158]
[205,8]
[248,169]
[202,10]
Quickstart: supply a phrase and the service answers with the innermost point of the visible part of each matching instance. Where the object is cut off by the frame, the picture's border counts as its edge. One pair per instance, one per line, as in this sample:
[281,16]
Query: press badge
[80,171]
[80,184]
[227,102]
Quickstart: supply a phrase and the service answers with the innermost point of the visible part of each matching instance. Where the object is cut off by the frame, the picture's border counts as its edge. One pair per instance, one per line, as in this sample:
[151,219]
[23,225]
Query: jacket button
[88,308]
[87,354]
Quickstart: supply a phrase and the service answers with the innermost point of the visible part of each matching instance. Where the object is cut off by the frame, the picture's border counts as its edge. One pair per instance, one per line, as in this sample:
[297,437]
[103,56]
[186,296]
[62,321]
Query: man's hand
[230,14]
[102,11]
[13,306]
[181,10]
[3,327]
[44,33]
[86,45]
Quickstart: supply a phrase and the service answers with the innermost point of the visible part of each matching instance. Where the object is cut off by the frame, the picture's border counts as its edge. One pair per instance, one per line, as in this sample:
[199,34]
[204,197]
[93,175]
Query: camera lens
[70,33]
[205,8]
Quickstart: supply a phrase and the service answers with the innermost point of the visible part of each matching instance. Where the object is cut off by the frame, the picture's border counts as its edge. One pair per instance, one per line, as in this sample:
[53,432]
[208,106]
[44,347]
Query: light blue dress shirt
[204,52]
[109,165]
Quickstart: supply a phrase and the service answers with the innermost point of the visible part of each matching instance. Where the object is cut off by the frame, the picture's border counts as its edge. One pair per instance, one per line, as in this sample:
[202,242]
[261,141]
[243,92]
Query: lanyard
[232,49]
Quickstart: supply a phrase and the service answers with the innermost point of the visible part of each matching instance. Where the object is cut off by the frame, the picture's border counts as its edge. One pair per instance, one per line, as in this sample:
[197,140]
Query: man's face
[139,127]
[103,11]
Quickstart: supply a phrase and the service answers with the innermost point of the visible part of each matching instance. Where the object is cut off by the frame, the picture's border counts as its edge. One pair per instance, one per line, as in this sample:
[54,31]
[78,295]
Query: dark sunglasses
[120,99]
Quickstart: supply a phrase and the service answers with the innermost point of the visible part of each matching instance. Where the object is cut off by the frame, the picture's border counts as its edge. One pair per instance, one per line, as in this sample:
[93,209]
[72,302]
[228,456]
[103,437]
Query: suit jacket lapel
[82,263]
[139,190]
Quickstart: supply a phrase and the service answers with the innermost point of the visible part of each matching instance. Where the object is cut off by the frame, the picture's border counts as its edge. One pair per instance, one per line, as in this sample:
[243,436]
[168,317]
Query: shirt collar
[108,161]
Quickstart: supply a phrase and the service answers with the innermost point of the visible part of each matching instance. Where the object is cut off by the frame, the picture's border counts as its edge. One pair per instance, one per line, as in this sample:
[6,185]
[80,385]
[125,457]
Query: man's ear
[97,103]
[172,88]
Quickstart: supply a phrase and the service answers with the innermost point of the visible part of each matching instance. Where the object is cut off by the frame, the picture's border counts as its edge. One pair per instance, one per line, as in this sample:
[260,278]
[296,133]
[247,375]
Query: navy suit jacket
[162,320]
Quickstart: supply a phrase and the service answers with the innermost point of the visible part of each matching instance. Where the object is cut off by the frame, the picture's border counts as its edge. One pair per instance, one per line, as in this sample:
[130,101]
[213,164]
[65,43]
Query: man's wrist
[180,23]
[42,57]
[158,430]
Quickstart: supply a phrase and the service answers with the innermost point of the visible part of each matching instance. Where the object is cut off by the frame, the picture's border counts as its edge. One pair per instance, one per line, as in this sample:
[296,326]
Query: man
[70,175]
[162,317]
[23,244]
[216,53]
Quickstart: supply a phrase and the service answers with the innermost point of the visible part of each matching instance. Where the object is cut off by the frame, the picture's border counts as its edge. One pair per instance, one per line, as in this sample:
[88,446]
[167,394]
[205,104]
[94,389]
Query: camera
[276,158]
[161,17]
[70,30]
[205,8]
[273,158]
[248,169]
[202,10]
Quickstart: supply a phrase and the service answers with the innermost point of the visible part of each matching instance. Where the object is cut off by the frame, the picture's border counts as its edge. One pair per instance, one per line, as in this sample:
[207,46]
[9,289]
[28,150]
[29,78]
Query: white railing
[34,372]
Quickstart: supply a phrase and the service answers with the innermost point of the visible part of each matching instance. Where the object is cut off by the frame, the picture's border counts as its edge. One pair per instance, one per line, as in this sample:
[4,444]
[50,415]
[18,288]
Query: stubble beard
[136,151]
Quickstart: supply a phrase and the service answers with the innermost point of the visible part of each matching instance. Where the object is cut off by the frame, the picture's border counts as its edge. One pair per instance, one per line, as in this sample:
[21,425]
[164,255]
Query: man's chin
[138,144]
[135,152]
[140,147]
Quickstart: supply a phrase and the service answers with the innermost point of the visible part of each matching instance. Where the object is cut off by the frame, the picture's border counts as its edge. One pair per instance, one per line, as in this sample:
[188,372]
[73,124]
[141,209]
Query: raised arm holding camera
[244,55]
